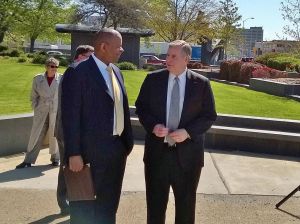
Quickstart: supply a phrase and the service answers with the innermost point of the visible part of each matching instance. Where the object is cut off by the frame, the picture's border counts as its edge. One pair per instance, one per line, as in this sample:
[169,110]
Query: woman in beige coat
[44,97]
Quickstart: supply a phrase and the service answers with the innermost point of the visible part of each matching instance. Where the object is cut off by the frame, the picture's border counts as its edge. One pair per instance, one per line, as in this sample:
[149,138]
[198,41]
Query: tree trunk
[32,40]
[1,36]
[3,29]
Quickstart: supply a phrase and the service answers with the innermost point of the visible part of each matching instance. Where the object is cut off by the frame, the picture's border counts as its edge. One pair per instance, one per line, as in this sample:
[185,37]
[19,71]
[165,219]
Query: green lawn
[16,81]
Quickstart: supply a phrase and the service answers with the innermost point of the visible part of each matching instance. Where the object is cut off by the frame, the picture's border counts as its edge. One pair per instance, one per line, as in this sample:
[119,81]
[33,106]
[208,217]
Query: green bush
[152,67]
[11,53]
[63,62]
[126,66]
[3,48]
[263,59]
[30,55]
[39,59]
[21,59]
[15,53]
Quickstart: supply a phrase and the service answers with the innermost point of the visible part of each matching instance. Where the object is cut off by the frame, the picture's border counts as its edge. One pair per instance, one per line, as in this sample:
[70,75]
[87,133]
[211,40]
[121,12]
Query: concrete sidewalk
[235,187]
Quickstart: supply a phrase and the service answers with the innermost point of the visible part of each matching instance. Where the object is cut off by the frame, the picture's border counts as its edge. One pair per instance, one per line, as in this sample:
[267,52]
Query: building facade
[248,39]
[280,46]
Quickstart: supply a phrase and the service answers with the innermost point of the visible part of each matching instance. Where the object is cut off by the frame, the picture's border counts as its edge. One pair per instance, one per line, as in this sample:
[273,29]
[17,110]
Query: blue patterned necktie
[173,120]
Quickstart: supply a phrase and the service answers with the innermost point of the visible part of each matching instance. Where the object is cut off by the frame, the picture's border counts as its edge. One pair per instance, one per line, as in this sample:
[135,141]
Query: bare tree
[291,13]
[111,13]
[227,24]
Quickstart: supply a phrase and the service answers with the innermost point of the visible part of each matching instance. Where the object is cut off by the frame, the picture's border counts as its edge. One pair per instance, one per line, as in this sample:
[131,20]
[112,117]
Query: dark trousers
[159,179]
[108,173]
[61,193]
[82,212]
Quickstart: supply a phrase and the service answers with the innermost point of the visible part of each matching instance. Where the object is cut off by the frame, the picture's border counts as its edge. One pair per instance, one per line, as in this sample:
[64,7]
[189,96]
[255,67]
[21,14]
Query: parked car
[247,59]
[153,60]
[54,53]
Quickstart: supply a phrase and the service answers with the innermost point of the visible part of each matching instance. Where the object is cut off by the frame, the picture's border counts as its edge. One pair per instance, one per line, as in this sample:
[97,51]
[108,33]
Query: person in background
[176,107]
[82,53]
[44,97]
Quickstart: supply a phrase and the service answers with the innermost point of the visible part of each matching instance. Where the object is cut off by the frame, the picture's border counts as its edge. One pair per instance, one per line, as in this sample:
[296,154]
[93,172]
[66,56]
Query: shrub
[21,59]
[263,59]
[266,72]
[30,55]
[152,67]
[195,65]
[3,48]
[39,59]
[234,71]
[224,70]
[63,62]
[126,66]
[15,53]
[246,71]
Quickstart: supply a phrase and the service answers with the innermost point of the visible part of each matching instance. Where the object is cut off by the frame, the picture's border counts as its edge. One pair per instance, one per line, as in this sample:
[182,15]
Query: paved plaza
[235,187]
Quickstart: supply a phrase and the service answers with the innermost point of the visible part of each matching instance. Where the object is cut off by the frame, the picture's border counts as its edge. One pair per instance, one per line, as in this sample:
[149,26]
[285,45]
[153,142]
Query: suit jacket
[88,114]
[198,115]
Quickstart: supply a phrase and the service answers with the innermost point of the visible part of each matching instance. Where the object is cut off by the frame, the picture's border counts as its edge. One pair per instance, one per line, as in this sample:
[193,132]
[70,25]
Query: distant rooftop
[73,28]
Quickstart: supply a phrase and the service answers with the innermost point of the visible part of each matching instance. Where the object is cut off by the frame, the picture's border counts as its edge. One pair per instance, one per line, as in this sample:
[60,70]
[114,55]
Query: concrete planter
[274,88]
[230,132]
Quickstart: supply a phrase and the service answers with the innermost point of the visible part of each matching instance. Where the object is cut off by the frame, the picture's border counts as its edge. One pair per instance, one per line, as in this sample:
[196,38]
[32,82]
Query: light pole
[246,20]
[245,32]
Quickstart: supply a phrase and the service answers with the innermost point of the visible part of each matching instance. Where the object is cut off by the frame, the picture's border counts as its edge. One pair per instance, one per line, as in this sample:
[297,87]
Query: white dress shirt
[103,71]
[181,82]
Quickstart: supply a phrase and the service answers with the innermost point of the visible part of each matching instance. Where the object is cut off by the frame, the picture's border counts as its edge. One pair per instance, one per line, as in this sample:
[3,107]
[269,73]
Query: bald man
[96,127]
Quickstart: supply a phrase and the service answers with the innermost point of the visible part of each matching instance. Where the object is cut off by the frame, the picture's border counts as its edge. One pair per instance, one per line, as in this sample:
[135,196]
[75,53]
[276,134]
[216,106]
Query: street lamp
[244,33]
[246,20]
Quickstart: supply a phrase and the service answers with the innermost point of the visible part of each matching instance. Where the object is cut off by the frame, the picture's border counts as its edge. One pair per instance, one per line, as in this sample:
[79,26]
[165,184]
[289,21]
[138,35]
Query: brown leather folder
[80,185]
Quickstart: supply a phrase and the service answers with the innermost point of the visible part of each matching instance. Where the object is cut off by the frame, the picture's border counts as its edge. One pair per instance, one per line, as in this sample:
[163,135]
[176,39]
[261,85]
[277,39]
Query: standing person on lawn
[44,97]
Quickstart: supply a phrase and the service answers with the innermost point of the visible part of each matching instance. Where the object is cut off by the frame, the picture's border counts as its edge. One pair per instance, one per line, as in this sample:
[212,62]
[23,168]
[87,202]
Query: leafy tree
[39,18]
[9,13]
[291,13]
[180,19]
[227,24]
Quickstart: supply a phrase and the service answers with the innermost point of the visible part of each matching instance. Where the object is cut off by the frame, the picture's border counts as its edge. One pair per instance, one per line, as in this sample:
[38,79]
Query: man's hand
[179,135]
[160,130]
[75,163]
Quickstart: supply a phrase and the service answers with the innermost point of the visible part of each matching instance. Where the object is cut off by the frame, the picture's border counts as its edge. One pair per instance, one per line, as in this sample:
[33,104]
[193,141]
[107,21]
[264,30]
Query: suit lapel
[187,94]
[162,91]
[96,74]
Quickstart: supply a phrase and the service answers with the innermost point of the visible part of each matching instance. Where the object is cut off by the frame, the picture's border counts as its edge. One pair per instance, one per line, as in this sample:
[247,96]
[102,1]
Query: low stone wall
[274,88]
[14,133]
[230,132]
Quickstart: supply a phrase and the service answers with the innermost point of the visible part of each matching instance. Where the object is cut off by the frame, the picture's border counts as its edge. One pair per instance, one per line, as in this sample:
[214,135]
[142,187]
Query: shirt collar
[100,63]
[180,77]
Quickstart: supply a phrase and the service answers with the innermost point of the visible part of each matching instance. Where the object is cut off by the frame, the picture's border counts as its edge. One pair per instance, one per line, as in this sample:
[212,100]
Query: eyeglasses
[52,66]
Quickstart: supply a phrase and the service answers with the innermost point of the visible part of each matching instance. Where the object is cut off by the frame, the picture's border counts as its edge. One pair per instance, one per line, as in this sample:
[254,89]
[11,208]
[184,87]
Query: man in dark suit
[96,125]
[82,53]
[176,108]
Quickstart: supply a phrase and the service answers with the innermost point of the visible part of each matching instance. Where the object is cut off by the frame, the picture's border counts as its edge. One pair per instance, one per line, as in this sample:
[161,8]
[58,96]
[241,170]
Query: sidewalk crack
[220,173]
